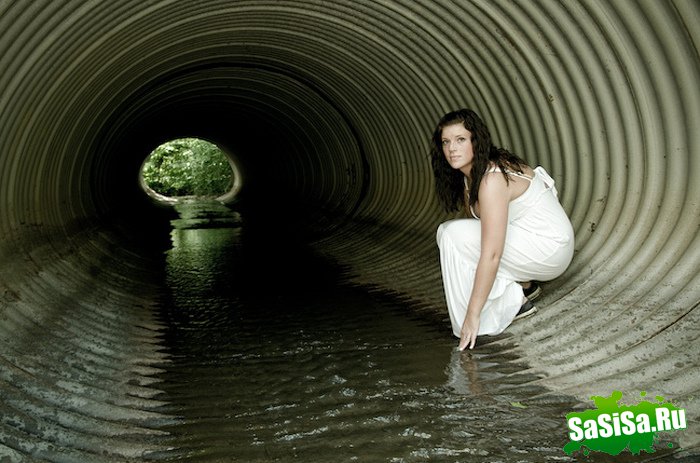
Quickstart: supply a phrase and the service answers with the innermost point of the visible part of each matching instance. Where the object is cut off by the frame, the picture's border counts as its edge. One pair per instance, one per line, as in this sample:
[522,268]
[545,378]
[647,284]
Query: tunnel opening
[190,169]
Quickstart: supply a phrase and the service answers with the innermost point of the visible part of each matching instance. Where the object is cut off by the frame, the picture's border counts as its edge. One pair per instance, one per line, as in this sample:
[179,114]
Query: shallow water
[273,358]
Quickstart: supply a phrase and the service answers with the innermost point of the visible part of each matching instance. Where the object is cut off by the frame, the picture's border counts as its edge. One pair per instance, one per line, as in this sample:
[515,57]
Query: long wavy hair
[449,182]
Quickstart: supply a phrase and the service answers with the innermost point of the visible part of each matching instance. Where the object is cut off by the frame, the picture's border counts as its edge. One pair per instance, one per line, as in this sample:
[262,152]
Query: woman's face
[457,147]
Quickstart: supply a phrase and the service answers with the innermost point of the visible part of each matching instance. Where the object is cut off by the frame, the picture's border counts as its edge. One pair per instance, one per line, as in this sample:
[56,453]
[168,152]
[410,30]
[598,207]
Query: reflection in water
[272,359]
[463,375]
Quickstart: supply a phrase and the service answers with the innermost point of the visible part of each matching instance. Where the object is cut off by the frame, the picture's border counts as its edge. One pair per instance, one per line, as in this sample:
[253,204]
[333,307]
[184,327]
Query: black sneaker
[526,310]
[533,292]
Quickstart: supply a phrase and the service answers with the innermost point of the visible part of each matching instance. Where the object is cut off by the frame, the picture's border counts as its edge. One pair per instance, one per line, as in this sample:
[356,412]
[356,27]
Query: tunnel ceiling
[330,104]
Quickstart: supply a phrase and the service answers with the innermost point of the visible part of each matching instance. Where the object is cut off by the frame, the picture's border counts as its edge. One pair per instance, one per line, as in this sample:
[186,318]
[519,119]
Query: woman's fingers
[467,339]
[463,342]
[470,329]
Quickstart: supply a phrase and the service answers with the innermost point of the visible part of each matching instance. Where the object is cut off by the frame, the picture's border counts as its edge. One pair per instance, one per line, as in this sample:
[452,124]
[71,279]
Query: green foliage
[188,167]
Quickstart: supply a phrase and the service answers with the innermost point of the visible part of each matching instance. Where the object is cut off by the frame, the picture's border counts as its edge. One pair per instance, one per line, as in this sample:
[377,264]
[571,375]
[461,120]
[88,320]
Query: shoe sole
[532,311]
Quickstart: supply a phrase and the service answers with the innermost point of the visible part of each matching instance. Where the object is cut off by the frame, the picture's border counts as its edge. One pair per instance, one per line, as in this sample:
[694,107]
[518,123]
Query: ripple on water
[274,361]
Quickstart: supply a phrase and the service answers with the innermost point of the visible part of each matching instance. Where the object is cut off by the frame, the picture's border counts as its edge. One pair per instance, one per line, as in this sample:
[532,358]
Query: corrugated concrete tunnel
[327,107]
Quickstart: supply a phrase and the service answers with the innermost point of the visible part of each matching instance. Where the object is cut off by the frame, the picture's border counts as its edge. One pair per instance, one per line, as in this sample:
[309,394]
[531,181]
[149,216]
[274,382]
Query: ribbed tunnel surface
[328,107]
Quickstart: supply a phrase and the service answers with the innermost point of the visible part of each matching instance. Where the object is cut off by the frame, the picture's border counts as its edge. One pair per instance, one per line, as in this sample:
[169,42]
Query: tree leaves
[188,167]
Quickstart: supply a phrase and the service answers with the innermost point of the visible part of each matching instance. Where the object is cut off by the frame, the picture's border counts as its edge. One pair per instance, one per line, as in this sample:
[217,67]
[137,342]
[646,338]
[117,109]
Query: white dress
[539,246]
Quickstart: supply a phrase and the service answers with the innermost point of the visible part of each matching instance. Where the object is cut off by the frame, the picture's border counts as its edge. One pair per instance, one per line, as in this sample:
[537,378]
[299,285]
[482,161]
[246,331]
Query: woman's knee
[443,230]
[440,232]
[459,231]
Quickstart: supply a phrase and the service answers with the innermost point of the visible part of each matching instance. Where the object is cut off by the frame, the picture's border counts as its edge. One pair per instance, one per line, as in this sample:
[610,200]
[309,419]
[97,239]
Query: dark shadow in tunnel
[269,144]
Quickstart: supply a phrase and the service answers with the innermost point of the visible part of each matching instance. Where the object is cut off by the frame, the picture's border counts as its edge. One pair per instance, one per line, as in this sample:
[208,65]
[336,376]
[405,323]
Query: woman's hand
[470,328]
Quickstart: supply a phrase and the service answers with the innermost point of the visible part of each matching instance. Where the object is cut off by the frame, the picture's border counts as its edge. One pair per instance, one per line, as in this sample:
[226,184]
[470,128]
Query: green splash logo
[612,427]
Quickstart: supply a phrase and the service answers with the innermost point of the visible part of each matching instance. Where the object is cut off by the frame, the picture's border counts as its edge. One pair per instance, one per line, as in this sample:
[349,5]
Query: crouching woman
[515,233]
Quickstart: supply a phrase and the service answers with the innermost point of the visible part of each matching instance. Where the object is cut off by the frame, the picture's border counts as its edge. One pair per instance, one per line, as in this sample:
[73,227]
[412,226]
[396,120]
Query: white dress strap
[546,179]
[510,172]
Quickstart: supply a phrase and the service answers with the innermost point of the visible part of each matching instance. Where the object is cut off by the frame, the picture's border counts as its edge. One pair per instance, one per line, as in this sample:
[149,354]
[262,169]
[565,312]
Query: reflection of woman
[463,375]
[517,230]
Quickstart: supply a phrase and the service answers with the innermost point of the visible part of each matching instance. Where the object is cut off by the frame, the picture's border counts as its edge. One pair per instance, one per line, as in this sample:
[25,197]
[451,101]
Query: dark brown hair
[449,182]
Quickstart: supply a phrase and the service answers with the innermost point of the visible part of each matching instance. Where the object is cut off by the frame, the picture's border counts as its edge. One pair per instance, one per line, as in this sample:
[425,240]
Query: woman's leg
[528,257]
[460,246]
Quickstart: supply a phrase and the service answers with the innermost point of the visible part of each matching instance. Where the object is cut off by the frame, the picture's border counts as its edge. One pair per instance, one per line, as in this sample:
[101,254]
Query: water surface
[274,358]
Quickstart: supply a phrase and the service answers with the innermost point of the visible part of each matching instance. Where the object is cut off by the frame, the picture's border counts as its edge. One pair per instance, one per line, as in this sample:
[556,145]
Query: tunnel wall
[328,107]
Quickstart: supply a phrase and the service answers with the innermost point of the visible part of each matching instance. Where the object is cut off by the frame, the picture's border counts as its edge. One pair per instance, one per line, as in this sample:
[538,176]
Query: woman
[517,231]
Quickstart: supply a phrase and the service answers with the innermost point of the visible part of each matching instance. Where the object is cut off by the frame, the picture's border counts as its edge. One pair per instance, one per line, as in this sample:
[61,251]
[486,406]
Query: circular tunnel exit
[190,169]
[328,107]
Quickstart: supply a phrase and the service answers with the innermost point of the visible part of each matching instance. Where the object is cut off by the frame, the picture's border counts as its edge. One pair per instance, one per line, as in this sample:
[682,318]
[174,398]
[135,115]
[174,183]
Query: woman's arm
[494,197]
